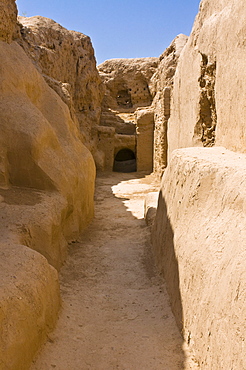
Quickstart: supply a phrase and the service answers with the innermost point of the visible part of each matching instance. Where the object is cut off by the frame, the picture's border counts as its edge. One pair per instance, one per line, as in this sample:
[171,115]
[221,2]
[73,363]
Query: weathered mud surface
[116,313]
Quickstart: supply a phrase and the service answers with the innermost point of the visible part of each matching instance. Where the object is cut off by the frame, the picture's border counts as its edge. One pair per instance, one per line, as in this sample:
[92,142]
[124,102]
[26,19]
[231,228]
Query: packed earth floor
[115,311]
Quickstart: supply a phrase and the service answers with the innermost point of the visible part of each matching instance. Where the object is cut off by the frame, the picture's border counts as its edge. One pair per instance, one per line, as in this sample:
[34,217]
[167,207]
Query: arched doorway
[125,161]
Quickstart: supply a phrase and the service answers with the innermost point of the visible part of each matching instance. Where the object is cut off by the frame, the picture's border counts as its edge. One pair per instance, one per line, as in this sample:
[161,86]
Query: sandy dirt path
[115,311]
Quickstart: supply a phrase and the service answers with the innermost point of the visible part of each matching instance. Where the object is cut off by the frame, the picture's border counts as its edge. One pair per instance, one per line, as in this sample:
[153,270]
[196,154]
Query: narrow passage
[115,311]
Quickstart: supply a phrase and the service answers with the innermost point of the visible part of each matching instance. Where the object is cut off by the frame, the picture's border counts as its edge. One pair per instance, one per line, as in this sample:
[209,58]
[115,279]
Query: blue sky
[120,28]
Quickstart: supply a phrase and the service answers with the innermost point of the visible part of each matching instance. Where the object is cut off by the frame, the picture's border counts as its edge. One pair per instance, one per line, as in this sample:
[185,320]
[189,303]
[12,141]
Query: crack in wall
[205,128]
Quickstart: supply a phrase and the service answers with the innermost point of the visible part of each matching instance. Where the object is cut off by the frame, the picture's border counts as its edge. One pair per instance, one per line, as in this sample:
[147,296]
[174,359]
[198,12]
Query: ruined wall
[199,231]
[161,87]
[46,197]
[29,300]
[208,97]
[42,145]
[106,144]
[8,25]
[127,85]
[145,138]
[199,241]
[66,59]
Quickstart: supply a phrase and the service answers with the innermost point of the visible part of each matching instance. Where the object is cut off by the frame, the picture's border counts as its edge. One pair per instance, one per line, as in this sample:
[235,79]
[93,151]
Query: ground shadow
[166,260]
[161,249]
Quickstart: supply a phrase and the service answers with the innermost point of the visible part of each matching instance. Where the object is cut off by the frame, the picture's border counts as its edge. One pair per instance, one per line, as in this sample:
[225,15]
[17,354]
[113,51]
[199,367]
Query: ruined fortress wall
[66,60]
[208,99]
[161,87]
[46,196]
[199,233]
[42,147]
[127,84]
[199,242]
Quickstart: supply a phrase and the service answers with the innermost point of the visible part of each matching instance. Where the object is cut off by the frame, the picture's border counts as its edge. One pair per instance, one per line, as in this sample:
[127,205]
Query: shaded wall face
[161,117]
[145,138]
[105,146]
[162,84]
[199,242]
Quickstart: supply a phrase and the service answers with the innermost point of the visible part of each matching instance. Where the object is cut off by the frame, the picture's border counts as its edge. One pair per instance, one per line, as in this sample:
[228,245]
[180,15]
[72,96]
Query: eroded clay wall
[127,86]
[46,197]
[145,139]
[43,149]
[127,83]
[199,241]
[209,89]
[199,233]
[66,60]
[29,300]
[161,87]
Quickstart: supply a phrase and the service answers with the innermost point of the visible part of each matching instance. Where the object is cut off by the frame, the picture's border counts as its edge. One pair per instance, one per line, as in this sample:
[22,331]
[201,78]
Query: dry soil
[116,313]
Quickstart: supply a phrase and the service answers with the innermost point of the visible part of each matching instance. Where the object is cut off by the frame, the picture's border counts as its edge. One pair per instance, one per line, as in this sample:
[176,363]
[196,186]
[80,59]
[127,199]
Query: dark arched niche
[125,161]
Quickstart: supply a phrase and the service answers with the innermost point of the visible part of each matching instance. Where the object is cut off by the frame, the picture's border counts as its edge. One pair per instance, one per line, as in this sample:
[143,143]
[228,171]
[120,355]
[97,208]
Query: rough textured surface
[162,85]
[67,60]
[8,25]
[127,90]
[145,137]
[36,219]
[29,302]
[127,82]
[46,197]
[47,185]
[199,240]
[40,142]
[211,70]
